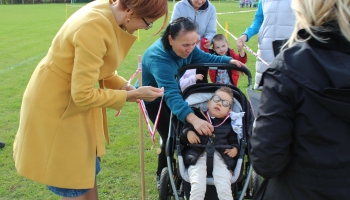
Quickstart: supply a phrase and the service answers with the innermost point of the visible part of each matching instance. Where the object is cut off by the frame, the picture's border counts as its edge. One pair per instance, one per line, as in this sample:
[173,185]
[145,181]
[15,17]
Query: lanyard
[209,120]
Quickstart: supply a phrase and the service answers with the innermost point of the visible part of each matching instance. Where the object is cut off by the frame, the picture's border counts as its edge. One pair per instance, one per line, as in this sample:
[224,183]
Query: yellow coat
[61,126]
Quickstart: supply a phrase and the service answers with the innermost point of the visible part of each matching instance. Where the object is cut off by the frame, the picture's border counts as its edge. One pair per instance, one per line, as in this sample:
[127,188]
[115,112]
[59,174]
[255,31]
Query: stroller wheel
[254,183]
[165,190]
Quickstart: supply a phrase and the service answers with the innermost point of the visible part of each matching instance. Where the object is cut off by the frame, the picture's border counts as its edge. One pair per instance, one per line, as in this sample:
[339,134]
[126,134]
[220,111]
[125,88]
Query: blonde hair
[315,13]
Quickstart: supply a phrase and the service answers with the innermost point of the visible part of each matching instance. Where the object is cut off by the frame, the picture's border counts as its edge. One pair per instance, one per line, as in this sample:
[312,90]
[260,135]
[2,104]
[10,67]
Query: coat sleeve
[236,56]
[211,28]
[272,135]
[232,139]
[183,135]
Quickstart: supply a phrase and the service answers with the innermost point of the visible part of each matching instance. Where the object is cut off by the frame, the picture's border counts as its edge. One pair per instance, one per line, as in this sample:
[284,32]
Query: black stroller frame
[173,180]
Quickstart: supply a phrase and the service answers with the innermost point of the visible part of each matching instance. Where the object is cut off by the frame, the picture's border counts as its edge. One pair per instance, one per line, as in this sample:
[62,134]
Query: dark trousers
[163,129]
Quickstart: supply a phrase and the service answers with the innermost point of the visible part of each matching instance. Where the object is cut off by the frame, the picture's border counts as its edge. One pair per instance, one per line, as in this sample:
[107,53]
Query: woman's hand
[238,63]
[241,40]
[202,127]
[231,152]
[193,138]
[146,93]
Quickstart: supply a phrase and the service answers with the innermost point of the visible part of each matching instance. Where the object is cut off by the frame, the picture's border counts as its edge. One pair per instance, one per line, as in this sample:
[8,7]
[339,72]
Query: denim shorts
[65,192]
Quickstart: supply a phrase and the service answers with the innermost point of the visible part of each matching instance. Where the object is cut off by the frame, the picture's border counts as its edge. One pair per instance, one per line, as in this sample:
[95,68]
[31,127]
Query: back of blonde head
[315,13]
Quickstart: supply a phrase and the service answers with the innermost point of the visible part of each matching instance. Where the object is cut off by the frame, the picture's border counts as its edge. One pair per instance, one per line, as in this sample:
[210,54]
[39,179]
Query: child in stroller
[201,158]
[174,179]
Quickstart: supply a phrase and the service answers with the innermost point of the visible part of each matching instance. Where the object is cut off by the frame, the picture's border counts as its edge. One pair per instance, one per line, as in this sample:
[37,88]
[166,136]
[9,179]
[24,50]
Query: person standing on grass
[300,143]
[63,124]
[274,20]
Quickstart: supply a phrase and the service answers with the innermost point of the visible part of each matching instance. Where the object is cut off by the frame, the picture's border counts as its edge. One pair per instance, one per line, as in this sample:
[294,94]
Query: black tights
[163,129]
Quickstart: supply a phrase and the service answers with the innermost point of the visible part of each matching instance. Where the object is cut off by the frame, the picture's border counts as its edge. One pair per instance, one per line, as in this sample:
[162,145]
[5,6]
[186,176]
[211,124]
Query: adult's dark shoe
[2,145]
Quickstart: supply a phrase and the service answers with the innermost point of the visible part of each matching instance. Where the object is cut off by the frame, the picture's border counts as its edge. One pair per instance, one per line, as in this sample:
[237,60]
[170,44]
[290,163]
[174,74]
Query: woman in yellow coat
[61,130]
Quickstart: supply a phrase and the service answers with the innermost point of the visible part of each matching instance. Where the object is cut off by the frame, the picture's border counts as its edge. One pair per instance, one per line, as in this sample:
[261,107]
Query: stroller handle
[216,66]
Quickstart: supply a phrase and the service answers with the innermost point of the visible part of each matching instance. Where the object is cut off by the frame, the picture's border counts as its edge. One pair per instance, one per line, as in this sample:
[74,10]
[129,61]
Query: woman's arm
[211,29]
[256,24]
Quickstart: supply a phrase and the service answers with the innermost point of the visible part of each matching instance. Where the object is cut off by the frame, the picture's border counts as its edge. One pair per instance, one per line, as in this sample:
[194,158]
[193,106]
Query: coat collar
[334,38]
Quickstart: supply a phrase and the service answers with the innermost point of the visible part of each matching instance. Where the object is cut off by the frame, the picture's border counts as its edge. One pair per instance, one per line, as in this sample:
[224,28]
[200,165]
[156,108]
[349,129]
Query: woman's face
[184,44]
[196,4]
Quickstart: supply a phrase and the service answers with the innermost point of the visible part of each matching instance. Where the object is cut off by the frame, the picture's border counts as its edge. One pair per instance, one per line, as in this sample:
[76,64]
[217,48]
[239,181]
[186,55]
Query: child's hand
[199,76]
[193,138]
[206,43]
[239,45]
[231,152]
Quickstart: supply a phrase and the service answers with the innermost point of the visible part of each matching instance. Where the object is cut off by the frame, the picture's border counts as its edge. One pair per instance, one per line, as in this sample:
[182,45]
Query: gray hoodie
[204,17]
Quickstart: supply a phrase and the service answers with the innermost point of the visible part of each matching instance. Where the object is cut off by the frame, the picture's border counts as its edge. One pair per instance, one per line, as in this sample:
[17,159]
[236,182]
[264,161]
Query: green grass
[25,36]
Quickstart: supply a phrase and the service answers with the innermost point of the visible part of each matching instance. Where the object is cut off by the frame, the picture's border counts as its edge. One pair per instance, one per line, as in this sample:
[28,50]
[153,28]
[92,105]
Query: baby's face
[220,47]
[217,109]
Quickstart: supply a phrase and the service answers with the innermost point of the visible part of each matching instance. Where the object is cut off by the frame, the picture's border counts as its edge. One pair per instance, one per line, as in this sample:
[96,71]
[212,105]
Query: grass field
[25,36]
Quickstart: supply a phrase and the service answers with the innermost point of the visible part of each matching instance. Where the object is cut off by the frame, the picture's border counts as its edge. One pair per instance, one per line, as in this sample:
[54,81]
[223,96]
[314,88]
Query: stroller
[174,180]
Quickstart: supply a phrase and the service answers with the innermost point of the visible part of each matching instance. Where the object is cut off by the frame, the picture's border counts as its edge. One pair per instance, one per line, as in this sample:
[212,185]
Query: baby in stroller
[199,149]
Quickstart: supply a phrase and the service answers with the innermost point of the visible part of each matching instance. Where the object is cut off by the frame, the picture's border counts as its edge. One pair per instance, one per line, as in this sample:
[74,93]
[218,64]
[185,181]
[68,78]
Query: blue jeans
[66,192]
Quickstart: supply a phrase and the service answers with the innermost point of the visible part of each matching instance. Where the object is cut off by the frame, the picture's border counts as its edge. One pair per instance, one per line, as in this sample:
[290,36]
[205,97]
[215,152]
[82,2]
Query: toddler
[221,47]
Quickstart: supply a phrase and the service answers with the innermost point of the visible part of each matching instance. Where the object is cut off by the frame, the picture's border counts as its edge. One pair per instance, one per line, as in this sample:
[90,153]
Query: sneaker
[2,145]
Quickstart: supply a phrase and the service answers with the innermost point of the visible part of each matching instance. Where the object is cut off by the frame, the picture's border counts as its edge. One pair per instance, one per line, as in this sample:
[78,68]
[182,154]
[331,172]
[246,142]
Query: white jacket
[278,24]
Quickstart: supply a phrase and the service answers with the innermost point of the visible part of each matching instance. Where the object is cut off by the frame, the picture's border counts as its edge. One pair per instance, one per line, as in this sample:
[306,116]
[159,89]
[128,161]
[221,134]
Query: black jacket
[302,131]
[224,135]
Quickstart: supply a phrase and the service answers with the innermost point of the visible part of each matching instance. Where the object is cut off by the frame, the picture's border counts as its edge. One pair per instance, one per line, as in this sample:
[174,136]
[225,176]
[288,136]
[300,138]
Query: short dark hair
[227,90]
[181,24]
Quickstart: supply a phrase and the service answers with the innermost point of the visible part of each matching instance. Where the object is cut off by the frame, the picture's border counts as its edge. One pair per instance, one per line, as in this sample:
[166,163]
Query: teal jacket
[159,68]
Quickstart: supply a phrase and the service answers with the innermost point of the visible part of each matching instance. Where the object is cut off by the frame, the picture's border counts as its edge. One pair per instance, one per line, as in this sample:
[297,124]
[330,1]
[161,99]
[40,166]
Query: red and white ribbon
[245,46]
[151,130]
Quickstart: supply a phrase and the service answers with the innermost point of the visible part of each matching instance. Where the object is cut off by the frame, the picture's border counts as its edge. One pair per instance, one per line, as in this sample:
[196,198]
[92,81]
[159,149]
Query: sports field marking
[244,11]
[22,63]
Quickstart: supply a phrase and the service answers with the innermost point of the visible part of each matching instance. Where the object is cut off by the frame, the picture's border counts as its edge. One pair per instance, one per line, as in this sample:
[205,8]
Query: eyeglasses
[150,25]
[217,99]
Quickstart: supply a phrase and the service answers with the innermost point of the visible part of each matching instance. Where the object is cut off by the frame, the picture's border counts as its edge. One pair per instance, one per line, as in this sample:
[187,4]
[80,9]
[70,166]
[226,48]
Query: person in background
[221,48]
[300,140]
[177,47]
[274,20]
[63,123]
[203,13]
